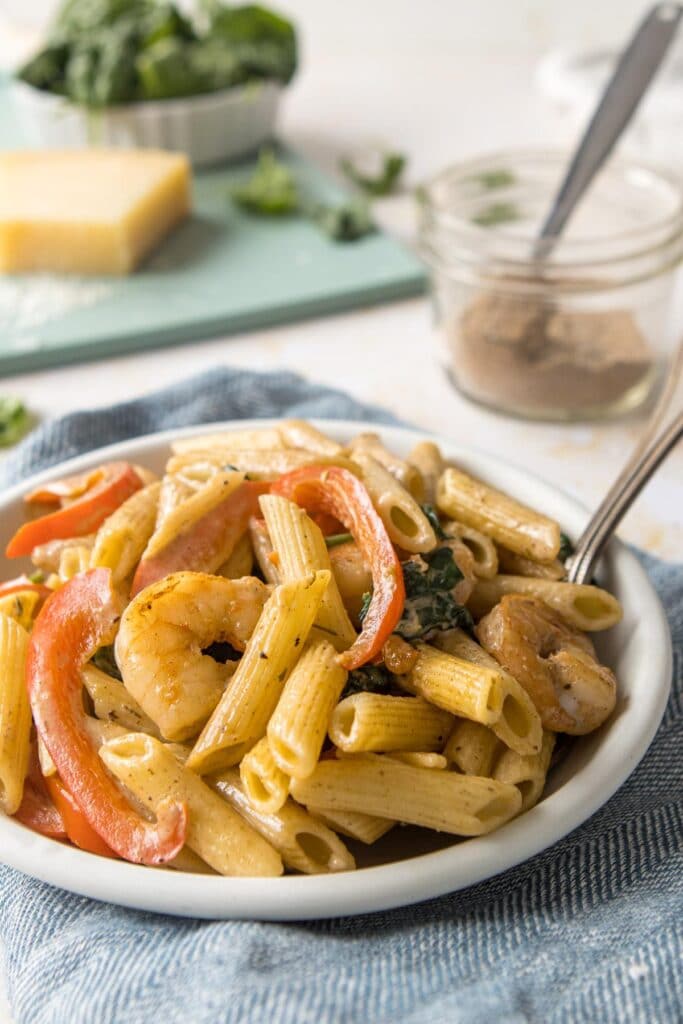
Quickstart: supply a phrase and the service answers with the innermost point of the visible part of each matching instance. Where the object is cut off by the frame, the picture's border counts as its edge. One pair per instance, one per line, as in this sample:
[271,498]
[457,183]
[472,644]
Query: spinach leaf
[271,190]
[434,521]
[333,540]
[430,605]
[383,181]
[263,42]
[566,548]
[369,678]
[345,222]
[15,421]
[104,660]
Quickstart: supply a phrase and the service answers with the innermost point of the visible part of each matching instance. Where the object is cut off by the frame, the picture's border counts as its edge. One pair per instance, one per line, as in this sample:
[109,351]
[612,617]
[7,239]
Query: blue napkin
[591,930]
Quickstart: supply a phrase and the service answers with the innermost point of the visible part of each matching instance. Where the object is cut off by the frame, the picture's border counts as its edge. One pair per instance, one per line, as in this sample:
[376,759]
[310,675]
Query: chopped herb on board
[345,222]
[15,421]
[270,190]
[383,181]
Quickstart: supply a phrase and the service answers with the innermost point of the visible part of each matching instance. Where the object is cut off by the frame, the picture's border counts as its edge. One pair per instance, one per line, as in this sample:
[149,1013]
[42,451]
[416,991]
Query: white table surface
[437,109]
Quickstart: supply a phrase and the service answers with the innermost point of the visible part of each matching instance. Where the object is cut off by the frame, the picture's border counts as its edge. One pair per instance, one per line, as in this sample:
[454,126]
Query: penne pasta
[123,537]
[113,703]
[473,748]
[378,722]
[300,434]
[402,470]
[304,842]
[351,574]
[446,801]
[527,772]
[405,522]
[181,518]
[477,691]
[481,547]
[507,521]
[300,549]
[237,440]
[215,832]
[266,785]
[274,648]
[15,714]
[426,457]
[259,464]
[173,491]
[419,758]
[365,828]
[297,728]
[72,561]
[263,551]
[586,607]
[512,564]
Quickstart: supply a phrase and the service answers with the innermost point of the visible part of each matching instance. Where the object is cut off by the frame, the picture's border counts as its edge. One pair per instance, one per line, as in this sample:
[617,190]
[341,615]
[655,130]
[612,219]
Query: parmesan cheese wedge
[90,211]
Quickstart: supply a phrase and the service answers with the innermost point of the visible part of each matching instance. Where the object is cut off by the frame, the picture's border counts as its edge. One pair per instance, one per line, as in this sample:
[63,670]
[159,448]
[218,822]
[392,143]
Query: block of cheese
[88,211]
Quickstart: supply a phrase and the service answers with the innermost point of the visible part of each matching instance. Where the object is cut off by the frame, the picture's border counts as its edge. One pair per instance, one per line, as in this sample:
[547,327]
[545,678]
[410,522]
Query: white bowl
[210,128]
[639,650]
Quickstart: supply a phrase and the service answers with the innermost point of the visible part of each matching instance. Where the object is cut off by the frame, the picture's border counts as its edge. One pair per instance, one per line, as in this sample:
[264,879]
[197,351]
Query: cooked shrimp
[160,644]
[554,662]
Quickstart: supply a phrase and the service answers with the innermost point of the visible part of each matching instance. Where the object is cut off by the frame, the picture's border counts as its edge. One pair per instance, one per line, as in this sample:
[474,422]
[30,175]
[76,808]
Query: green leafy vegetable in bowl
[101,53]
[15,421]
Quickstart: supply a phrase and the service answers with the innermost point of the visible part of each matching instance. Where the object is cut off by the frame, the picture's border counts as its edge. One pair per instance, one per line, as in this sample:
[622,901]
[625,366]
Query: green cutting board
[221,271]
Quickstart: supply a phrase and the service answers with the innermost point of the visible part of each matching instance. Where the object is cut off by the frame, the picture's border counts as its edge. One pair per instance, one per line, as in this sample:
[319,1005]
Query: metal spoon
[635,70]
[663,432]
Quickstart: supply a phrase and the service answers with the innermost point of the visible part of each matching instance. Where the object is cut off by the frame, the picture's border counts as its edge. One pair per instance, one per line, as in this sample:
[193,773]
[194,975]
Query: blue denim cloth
[591,930]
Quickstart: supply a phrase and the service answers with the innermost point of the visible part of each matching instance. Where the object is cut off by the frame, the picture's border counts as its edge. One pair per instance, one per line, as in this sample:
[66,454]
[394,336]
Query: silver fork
[663,431]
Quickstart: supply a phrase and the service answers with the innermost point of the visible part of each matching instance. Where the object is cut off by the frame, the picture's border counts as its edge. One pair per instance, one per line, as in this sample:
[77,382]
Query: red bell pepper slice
[113,483]
[338,492]
[22,583]
[80,617]
[218,530]
[68,487]
[76,824]
[36,810]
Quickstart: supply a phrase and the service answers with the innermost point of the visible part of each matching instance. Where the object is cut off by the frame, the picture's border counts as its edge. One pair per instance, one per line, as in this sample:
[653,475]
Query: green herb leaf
[104,660]
[365,604]
[496,213]
[369,679]
[333,540]
[491,180]
[434,521]
[384,181]
[430,605]
[566,548]
[15,421]
[345,222]
[271,190]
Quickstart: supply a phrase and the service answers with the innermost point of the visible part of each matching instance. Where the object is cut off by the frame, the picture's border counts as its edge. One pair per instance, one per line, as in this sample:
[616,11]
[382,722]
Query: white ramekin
[210,128]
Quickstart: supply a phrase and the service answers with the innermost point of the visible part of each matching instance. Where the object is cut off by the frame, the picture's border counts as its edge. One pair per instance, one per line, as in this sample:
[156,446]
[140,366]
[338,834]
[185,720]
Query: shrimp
[163,633]
[554,662]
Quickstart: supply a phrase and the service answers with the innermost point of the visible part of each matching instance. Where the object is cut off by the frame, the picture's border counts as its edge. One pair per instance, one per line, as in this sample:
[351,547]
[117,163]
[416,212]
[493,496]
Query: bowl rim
[403,882]
[234,95]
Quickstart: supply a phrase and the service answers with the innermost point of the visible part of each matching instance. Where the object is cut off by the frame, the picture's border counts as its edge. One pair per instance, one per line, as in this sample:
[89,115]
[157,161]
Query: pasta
[276,644]
[507,521]
[297,727]
[242,715]
[15,714]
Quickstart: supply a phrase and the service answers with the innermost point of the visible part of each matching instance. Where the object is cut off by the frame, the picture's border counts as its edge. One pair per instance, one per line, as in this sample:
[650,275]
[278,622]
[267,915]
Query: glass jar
[585,333]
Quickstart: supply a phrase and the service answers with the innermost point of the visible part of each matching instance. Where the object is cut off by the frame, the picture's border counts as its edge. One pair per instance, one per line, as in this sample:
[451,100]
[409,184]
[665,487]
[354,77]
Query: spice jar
[584,333]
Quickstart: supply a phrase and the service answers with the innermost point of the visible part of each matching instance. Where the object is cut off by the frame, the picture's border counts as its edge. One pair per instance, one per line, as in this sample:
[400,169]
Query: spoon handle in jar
[652,449]
[634,72]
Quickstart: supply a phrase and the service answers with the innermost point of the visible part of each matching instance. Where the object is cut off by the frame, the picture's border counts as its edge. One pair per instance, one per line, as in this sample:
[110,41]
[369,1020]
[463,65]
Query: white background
[440,79]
